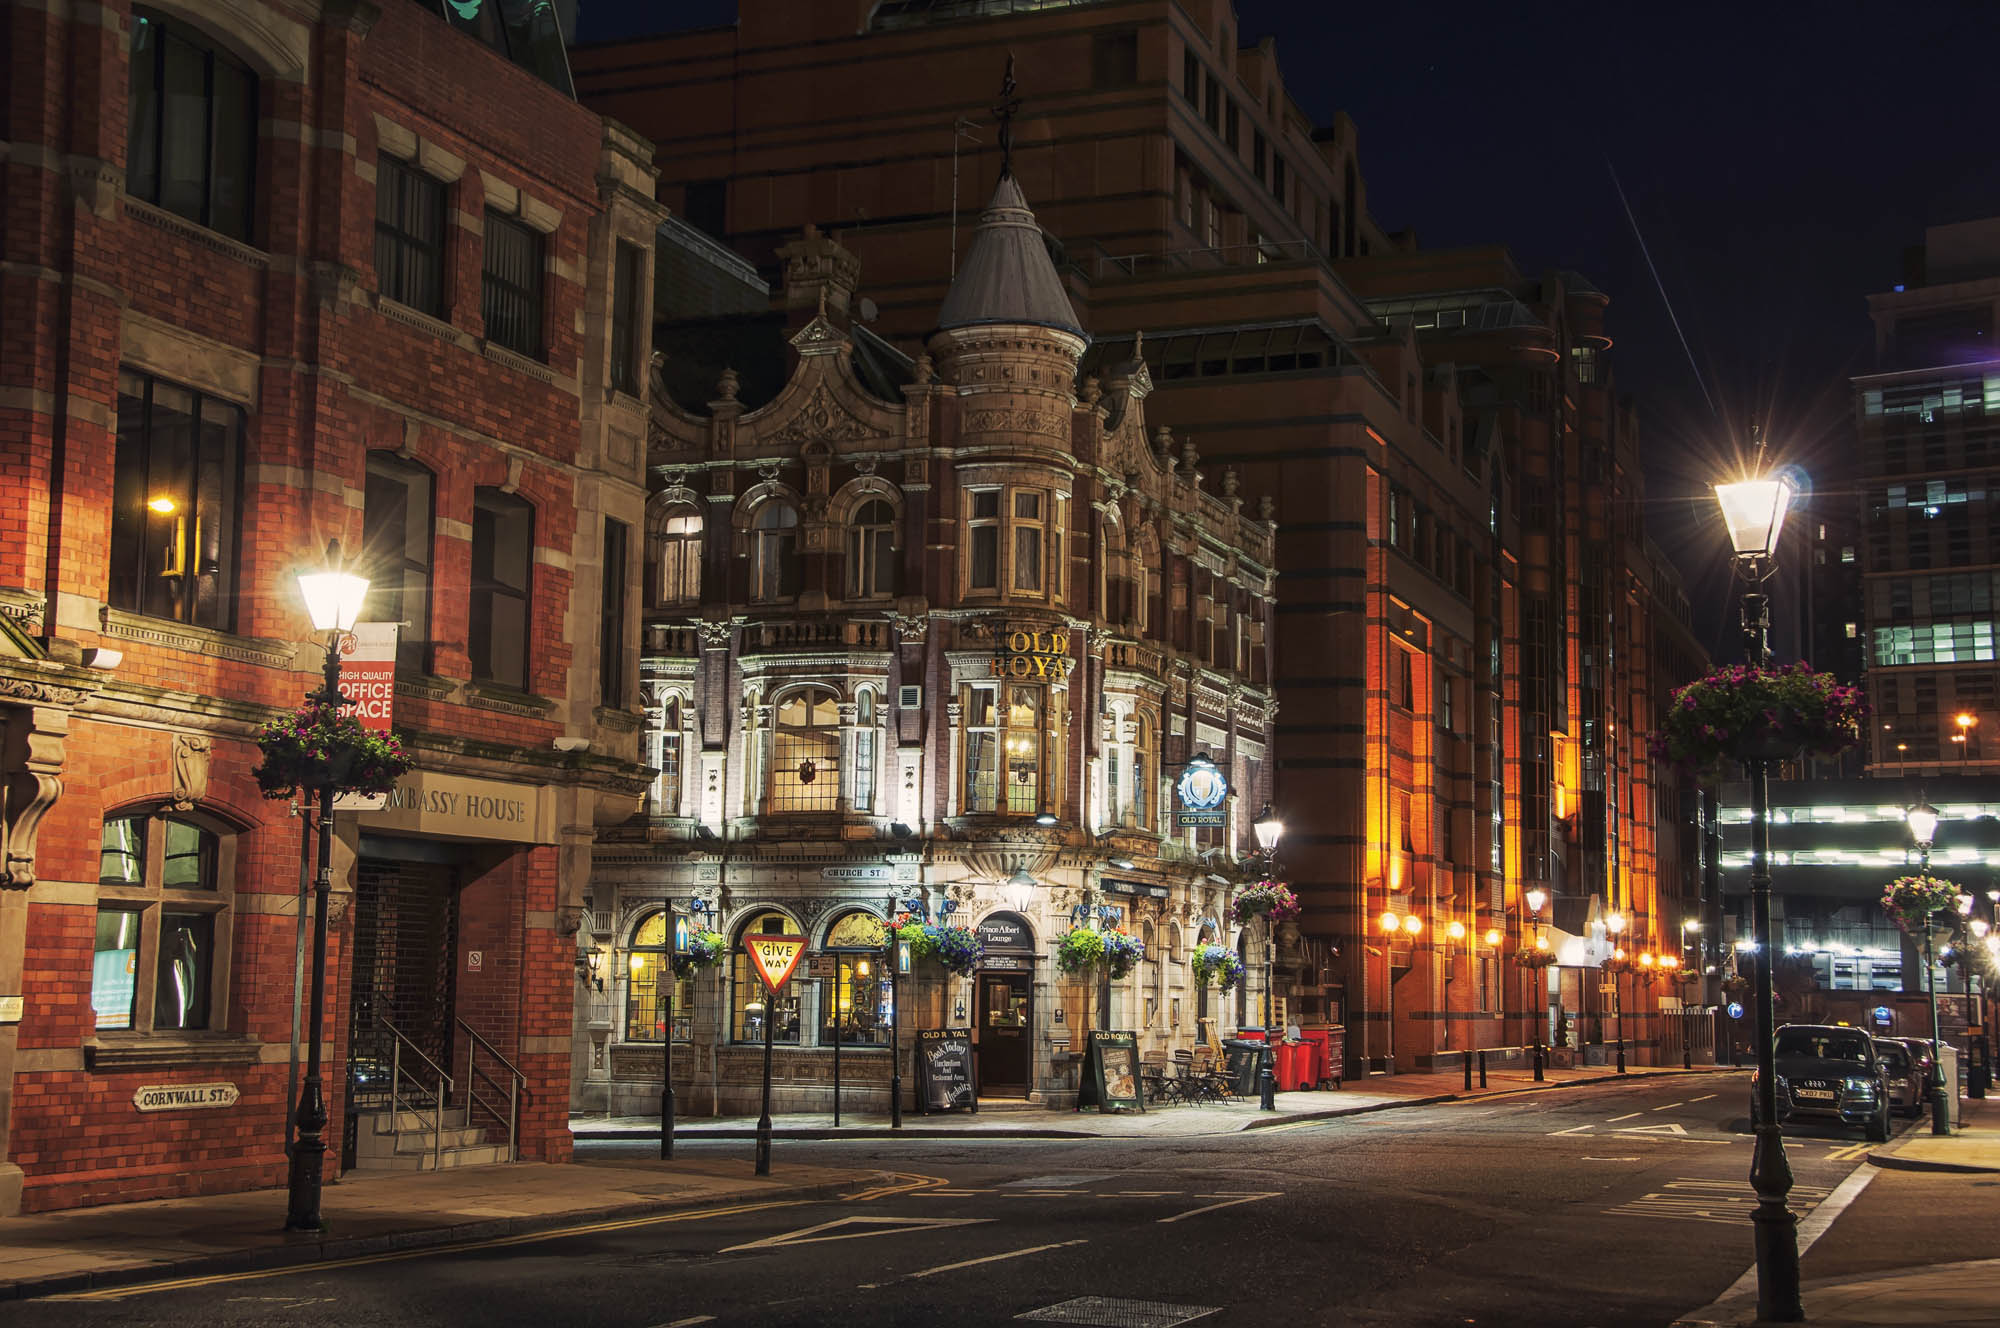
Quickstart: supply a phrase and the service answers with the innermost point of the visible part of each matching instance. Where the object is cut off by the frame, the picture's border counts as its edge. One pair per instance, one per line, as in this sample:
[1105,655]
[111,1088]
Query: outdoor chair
[1213,1071]
[1194,1086]
[1160,1086]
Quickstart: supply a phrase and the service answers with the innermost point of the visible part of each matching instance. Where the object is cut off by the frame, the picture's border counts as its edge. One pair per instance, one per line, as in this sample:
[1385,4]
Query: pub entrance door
[1006,1033]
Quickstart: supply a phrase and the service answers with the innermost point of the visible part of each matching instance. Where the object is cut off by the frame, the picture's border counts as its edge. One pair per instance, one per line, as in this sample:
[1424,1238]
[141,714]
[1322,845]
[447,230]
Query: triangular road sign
[774,956]
[871,1226]
[1669,1128]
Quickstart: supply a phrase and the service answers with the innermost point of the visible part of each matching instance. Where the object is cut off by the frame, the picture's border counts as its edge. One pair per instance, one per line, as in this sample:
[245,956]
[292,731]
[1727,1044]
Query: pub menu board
[946,1078]
[1111,1074]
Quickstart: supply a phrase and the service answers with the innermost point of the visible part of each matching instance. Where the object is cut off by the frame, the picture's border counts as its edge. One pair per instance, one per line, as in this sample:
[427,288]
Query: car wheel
[1878,1126]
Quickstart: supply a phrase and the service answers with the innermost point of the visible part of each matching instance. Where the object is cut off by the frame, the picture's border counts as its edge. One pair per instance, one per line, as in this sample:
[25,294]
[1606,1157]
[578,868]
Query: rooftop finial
[1003,114]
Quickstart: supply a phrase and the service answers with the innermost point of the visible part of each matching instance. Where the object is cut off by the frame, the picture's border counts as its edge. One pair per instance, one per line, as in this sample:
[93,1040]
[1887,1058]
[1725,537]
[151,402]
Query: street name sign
[774,957]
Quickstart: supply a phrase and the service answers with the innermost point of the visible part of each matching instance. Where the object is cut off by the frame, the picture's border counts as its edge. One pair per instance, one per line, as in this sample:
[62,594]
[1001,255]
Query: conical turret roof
[1007,276]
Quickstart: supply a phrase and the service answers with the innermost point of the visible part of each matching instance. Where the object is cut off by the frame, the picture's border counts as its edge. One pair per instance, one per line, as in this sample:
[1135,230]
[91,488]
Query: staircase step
[477,1155]
[385,1122]
[419,1141]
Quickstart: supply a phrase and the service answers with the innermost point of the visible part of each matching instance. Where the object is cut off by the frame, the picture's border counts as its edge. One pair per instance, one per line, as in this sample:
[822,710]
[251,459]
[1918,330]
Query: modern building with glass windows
[936,636]
[303,273]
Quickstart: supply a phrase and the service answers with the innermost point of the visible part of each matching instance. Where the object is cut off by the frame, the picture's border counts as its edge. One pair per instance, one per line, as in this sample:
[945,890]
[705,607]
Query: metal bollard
[1482,1069]
[1465,1059]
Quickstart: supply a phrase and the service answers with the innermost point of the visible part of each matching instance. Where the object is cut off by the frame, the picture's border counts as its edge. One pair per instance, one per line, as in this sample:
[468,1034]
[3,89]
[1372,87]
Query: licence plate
[1824,1094]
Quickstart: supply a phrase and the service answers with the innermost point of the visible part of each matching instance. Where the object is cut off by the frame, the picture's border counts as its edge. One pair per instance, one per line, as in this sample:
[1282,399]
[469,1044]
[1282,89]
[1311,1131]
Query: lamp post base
[1777,1231]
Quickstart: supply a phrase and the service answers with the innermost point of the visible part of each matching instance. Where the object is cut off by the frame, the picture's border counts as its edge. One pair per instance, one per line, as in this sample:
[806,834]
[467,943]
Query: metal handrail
[473,1073]
[444,1089]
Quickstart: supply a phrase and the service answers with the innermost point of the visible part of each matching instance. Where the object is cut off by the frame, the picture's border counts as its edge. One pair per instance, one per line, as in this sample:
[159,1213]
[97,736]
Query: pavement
[999,1119]
[371,1212]
[1939,1294]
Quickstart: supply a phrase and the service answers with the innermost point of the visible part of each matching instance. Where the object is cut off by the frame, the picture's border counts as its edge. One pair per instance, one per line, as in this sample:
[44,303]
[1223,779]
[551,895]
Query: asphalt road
[1620,1204]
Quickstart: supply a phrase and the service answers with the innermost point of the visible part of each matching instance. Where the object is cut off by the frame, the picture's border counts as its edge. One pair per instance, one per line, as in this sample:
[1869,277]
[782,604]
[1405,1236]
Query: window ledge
[128,626]
[616,720]
[424,686]
[430,324]
[174,223]
[115,1053]
[506,700]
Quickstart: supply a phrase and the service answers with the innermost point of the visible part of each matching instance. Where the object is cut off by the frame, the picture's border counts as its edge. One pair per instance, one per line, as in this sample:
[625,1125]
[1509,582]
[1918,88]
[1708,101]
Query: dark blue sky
[1778,158]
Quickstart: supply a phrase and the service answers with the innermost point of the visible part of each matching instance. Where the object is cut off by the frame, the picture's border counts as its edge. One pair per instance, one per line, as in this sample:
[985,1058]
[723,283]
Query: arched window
[666,756]
[859,1004]
[648,956]
[191,131]
[1142,772]
[750,1003]
[165,886]
[774,552]
[864,750]
[805,752]
[871,552]
[675,556]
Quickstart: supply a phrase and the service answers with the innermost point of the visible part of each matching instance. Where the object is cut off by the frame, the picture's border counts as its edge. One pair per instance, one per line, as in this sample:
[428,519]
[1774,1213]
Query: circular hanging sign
[1202,789]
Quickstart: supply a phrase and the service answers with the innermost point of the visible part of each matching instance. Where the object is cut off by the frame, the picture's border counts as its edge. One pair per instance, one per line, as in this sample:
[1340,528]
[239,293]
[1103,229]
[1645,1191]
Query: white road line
[1227,1203]
[1670,1106]
[1815,1223]
[1148,1194]
[1627,1116]
[688,1322]
[1703,1098]
[1574,1129]
[992,1258]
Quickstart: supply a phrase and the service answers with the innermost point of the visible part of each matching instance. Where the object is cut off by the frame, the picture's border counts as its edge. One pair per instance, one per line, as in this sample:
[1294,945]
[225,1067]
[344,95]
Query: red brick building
[278,273]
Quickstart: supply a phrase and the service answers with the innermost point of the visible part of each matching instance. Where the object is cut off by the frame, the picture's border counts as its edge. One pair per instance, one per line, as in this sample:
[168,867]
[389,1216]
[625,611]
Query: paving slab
[1973,1147]
[1945,1295]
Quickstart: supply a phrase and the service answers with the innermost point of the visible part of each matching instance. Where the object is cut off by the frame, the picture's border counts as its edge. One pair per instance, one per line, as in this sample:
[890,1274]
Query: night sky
[1778,158]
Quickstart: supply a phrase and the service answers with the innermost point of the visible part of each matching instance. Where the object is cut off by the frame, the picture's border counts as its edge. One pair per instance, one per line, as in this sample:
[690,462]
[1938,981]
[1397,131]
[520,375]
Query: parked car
[1829,1072]
[1908,1087]
[1920,1054]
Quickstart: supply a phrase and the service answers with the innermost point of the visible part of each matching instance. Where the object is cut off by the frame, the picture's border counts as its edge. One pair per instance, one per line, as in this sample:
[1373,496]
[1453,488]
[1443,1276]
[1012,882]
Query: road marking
[1691,1199]
[688,1322]
[590,1228]
[945,1194]
[882,1226]
[1046,1194]
[1148,1194]
[1574,1129]
[1815,1223]
[1703,1098]
[1668,1128]
[900,1182]
[992,1258]
[1627,1116]
[1227,1203]
[1610,1159]
[1670,1106]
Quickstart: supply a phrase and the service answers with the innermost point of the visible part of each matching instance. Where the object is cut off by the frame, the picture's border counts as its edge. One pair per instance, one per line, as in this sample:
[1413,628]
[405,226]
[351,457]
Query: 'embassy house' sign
[1033,654]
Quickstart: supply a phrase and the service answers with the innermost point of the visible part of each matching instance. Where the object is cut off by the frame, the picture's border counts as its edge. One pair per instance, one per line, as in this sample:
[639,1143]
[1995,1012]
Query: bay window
[805,752]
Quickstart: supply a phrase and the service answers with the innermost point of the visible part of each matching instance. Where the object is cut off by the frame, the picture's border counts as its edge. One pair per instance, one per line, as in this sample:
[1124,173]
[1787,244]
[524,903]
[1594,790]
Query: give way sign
[774,956]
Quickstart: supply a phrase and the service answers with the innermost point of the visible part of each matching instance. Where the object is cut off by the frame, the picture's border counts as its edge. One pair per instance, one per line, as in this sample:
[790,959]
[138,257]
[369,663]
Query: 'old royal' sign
[1031,654]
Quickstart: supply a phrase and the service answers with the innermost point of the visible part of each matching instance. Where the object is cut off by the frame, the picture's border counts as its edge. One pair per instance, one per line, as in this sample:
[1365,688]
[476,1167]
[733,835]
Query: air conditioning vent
[910,698]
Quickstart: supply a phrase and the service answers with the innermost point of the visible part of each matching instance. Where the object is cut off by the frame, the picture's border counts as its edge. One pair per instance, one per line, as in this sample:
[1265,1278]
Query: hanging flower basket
[1911,900]
[1736,987]
[1121,951]
[705,950]
[957,948]
[1079,950]
[1216,963]
[316,747]
[1535,958]
[1267,899]
[923,941]
[1617,965]
[1750,714]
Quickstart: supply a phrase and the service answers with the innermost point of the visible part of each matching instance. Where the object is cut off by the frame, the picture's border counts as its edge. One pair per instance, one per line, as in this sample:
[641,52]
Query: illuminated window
[175,503]
[164,903]
[646,961]
[805,752]
[750,1002]
[675,555]
[856,1012]
[666,755]
[871,552]
[864,750]
[774,553]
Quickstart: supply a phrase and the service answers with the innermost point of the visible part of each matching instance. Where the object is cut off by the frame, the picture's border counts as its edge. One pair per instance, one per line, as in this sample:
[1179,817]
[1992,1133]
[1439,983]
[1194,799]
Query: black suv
[1830,1072]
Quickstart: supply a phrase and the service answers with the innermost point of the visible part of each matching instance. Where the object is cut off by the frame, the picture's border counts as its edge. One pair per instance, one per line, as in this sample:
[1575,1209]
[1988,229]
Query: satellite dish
[869,313]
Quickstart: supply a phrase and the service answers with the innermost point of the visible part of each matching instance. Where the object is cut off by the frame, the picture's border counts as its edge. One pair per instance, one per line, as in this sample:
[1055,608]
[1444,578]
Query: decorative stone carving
[715,635]
[31,754]
[569,919]
[823,418]
[923,371]
[726,386]
[190,770]
[1266,509]
[1022,419]
[910,628]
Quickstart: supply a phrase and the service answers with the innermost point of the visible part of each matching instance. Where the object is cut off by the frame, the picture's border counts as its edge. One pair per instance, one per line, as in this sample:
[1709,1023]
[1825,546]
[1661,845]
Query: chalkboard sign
[1111,1074]
[947,1079]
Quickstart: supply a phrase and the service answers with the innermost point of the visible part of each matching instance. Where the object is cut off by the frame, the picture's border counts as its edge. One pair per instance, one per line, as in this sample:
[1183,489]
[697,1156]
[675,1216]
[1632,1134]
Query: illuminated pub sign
[1201,792]
[1024,653]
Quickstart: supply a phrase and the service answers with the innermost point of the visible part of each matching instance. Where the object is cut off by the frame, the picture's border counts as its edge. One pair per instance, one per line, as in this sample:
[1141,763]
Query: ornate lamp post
[1537,1009]
[333,601]
[1754,512]
[1923,821]
[1614,924]
[1269,829]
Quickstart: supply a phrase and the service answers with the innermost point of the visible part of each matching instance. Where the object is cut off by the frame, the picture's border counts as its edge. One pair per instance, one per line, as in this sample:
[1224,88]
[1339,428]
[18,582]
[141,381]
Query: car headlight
[1861,1087]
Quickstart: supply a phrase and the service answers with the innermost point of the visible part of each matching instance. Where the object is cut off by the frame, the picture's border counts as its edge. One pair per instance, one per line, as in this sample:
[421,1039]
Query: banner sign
[368,680]
[1111,1074]
[1201,791]
[774,957]
[947,1078]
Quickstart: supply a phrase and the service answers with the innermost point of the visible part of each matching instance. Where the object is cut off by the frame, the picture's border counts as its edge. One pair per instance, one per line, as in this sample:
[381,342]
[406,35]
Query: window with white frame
[667,755]
[1142,768]
[983,538]
[1004,757]
[982,749]
[1022,714]
[864,750]
[871,552]
[1015,538]
[1029,536]
[675,557]
[805,752]
[774,553]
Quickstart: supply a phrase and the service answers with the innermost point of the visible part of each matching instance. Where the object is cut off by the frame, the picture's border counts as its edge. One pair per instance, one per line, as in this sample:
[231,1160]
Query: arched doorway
[1005,1028]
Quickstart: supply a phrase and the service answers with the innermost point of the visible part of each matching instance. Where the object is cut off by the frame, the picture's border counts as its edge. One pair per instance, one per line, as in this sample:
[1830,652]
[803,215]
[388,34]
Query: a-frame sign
[774,957]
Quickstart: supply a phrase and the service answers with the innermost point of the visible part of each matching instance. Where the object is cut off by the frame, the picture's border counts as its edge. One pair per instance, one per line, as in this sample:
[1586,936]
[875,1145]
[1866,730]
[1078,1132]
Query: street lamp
[1454,933]
[1535,899]
[1966,721]
[1268,829]
[333,601]
[1923,822]
[1754,512]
